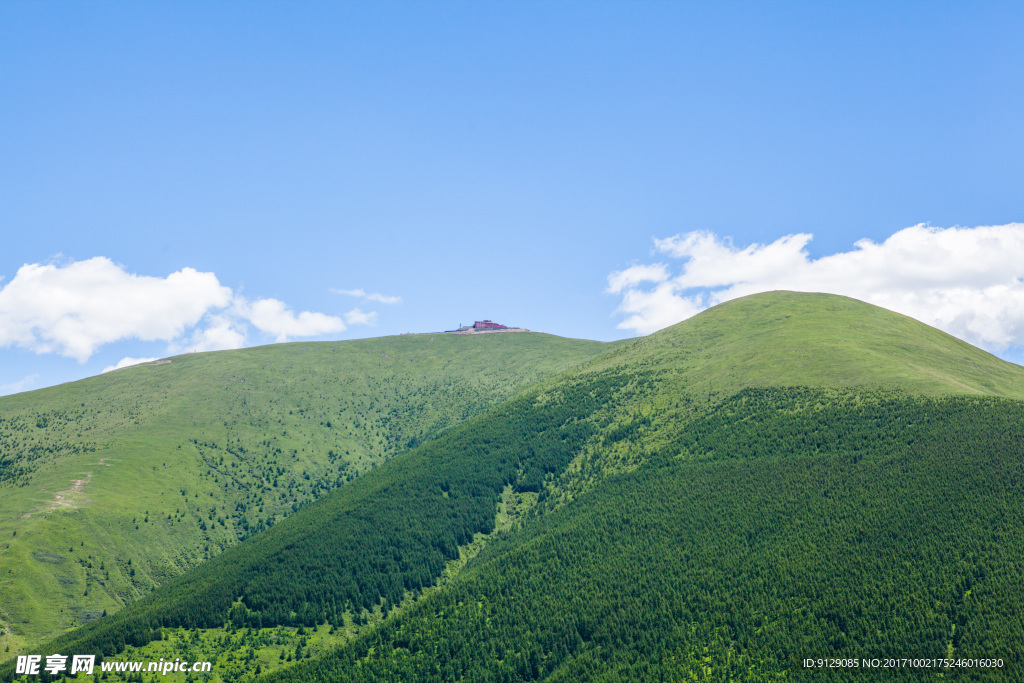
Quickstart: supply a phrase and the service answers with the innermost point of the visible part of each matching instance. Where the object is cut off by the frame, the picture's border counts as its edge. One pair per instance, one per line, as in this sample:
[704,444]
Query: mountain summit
[822,340]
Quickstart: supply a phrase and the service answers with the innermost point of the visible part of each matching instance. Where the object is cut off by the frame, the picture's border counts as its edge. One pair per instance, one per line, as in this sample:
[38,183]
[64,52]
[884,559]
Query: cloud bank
[273,317]
[968,282]
[75,309]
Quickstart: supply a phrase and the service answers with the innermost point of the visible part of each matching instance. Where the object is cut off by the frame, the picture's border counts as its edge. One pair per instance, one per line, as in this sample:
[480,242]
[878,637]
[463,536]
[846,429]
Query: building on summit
[486,326]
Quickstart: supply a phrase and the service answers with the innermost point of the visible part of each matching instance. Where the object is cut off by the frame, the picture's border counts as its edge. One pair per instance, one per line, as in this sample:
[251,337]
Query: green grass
[178,461]
[797,339]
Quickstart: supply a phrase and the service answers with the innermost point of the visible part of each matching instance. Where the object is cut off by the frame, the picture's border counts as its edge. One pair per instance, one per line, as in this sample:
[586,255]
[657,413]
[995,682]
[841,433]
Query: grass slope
[114,484]
[823,340]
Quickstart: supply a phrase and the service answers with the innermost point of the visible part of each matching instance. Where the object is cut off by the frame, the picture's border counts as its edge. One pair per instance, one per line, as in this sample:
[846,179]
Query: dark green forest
[787,524]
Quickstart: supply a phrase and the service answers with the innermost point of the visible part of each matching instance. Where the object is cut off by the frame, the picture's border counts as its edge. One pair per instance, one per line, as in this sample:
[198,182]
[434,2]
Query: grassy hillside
[822,340]
[775,339]
[116,483]
[366,545]
[694,514]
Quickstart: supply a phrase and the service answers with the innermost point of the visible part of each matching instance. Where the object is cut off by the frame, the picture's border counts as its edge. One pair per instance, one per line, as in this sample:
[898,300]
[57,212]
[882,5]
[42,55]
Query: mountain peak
[787,338]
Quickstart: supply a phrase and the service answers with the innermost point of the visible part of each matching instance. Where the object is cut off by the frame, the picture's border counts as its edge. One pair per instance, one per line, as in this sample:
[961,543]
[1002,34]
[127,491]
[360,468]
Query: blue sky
[188,176]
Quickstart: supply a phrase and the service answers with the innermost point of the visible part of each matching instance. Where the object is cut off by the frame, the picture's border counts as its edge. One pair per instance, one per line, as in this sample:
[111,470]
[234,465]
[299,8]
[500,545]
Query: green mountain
[785,477]
[817,340]
[114,484]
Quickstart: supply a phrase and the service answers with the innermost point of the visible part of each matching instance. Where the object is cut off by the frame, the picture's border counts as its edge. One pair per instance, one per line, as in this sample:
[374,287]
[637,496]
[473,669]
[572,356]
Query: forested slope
[111,485]
[389,532]
[786,524]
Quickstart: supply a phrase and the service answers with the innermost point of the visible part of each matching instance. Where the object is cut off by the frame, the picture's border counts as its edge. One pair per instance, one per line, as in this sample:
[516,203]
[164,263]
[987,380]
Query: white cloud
[359,317]
[372,296]
[74,309]
[20,385]
[966,281]
[384,298]
[128,361]
[274,317]
[653,309]
[631,277]
[716,263]
[220,333]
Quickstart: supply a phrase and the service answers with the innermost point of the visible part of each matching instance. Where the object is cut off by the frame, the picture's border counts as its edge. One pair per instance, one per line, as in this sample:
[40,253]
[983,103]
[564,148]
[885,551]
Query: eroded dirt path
[66,499]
